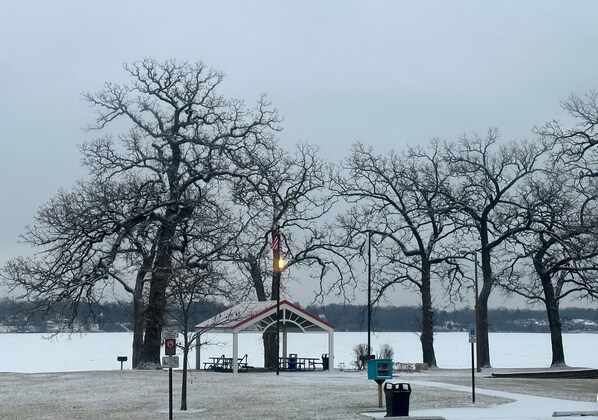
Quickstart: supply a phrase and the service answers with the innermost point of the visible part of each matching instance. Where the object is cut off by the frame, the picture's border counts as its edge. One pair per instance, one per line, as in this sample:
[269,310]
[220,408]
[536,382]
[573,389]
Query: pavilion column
[197,352]
[284,342]
[330,350]
[235,352]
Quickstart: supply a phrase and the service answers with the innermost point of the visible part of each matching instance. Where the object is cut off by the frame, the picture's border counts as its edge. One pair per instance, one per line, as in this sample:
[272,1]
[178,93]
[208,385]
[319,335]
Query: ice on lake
[98,351]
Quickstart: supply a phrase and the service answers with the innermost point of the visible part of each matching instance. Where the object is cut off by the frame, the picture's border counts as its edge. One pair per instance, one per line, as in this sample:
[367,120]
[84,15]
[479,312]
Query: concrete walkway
[524,407]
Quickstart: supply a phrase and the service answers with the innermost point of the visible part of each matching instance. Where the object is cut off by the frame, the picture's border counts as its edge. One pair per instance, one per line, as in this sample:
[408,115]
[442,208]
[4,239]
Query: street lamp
[367,357]
[475,304]
[476,310]
[369,292]
[278,266]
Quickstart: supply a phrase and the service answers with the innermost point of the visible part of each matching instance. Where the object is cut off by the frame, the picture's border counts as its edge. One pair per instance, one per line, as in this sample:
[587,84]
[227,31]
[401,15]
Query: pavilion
[259,316]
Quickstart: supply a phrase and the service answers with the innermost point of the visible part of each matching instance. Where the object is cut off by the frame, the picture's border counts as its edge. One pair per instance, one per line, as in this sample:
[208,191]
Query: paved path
[525,407]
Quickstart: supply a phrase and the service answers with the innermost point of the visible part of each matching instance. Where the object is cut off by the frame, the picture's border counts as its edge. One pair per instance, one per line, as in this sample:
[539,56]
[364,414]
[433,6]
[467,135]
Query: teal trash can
[397,399]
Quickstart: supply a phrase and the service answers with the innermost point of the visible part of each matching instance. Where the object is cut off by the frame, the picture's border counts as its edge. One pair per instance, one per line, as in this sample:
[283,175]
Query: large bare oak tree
[176,136]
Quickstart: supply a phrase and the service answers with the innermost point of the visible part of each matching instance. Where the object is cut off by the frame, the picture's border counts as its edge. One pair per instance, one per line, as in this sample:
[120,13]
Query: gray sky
[386,73]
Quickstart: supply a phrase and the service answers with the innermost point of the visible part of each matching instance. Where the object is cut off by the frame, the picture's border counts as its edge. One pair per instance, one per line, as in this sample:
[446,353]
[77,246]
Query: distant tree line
[117,317]
[114,316]
[408,319]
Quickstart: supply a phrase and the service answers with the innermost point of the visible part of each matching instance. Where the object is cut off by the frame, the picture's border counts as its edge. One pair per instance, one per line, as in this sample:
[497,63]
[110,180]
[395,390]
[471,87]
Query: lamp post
[475,306]
[277,268]
[476,310]
[369,291]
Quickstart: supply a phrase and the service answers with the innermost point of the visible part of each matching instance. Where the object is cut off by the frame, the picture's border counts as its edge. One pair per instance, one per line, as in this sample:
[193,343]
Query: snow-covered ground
[140,395]
[83,380]
[522,407]
[98,351]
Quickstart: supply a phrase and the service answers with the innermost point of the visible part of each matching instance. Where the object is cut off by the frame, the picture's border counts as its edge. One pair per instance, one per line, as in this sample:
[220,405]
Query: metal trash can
[292,361]
[397,399]
[325,362]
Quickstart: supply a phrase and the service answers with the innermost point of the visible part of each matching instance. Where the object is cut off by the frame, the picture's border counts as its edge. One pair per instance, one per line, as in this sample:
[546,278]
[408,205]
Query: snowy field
[82,380]
[142,395]
[38,353]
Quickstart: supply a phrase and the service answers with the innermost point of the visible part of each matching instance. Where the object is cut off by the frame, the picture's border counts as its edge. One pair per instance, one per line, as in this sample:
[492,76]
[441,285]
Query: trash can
[292,361]
[325,362]
[397,399]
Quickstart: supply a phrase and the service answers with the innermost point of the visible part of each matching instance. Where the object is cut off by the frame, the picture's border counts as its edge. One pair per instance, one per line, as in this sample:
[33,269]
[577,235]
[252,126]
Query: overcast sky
[386,73]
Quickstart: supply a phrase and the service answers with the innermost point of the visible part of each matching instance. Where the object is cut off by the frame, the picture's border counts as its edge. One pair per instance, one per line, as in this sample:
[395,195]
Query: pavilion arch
[259,316]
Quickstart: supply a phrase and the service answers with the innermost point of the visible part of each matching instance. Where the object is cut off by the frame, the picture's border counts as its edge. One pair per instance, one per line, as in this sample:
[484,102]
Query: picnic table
[225,364]
[298,363]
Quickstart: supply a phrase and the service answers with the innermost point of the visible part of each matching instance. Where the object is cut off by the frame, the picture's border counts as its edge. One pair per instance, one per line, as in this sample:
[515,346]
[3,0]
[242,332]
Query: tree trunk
[138,326]
[138,317]
[257,278]
[554,319]
[270,356]
[269,336]
[150,356]
[427,335]
[556,337]
[483,343]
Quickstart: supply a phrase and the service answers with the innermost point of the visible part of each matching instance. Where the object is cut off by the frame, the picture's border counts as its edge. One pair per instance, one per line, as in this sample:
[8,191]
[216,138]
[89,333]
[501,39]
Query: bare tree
[483,187]
[182,136]
[399,203]
[558,256]
[578,142]
[190,285]
[89,240]
[287,192]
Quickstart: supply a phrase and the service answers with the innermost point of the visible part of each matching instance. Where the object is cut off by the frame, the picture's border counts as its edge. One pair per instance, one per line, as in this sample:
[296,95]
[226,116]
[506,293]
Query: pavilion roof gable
[258,316]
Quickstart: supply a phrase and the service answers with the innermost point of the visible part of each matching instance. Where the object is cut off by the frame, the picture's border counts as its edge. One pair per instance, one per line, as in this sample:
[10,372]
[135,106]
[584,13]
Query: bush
[360,356]
[386,352]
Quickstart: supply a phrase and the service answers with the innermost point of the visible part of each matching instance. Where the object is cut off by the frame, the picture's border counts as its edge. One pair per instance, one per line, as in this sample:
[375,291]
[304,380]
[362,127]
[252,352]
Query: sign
[472,334]
[170,362]
[170,333]
[170,346]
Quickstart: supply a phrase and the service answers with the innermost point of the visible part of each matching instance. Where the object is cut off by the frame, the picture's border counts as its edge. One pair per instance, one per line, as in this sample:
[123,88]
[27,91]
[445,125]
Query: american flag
[275,240]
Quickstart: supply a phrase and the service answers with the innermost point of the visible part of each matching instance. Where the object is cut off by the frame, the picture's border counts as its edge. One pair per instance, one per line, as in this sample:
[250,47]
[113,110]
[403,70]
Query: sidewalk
[524,407]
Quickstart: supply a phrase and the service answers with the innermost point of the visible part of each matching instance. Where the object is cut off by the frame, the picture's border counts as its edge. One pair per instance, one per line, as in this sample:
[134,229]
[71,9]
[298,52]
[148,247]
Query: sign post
[379,370]
[170,336]
[472,340]
[170,415]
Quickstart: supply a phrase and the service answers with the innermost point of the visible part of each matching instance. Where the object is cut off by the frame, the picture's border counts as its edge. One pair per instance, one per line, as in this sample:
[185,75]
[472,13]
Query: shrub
[360,356]
[386,352]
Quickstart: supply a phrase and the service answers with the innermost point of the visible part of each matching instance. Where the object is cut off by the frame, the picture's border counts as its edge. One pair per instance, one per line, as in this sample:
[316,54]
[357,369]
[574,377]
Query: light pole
[475,305]
[476,310]
[277,268]
[369,292]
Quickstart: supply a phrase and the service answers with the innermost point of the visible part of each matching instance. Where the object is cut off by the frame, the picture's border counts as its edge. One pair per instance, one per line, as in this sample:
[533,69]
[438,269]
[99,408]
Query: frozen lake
[98,351]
